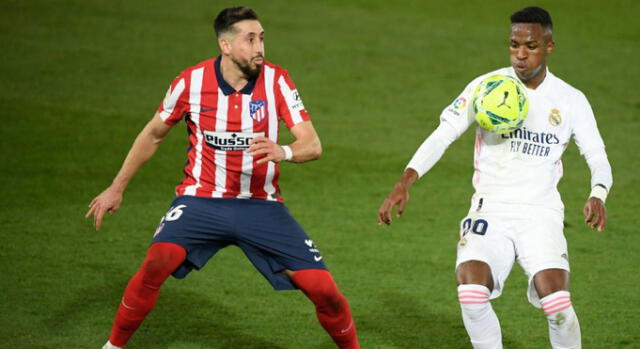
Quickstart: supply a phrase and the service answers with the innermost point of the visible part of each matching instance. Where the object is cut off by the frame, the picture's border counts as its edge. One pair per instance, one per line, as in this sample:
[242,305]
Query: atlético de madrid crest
[258,110]
[554,118]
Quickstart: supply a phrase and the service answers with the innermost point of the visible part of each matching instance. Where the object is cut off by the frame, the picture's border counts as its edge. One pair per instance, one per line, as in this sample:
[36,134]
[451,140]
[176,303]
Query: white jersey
[523,166]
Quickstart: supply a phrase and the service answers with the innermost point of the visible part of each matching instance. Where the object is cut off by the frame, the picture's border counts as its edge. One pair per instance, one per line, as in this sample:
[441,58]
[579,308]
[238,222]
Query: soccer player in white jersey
[516,213]
[232,106]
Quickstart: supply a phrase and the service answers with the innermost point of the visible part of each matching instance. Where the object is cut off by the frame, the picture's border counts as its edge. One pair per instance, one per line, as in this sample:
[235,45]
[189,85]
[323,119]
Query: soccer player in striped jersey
[232,106]
[516,212]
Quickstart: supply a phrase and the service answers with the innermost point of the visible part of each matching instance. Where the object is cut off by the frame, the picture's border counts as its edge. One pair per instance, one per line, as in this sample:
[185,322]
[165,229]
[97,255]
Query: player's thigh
[274,241]
[483,238]
[541,246]
[202,226]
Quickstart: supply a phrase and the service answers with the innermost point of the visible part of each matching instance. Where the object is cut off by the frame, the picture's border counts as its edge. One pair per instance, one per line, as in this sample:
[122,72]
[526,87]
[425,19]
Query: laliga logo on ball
[500,103]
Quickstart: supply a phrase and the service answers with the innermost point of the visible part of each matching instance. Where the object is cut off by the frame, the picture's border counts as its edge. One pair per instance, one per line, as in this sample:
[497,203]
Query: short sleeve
[175,103]
[288,102]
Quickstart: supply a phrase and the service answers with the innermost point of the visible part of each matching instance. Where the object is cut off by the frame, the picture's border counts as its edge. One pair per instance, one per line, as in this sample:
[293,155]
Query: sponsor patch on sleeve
[457,106]
[296,101]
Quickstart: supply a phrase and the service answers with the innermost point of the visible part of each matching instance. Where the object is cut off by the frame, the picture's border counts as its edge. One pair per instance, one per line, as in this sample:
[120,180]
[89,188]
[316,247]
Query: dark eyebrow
[525,43]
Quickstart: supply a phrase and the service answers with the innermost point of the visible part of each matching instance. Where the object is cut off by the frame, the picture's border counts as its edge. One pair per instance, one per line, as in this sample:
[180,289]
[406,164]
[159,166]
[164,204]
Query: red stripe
[191,156]
[471,302]
[208,101]
[259,171]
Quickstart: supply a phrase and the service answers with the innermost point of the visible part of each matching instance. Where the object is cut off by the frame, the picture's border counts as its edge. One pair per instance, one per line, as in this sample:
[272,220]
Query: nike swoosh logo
[203,110]
[126,306]
[348,328]
[317,258]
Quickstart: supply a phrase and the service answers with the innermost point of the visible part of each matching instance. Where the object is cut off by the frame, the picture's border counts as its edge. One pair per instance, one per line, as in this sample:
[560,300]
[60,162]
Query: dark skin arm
[595,214]
[398,197]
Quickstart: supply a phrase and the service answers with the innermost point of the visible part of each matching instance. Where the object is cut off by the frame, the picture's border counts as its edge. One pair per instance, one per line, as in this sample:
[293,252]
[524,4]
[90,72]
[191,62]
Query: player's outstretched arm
[595,214]
[398,197]
[306,146]
[142,149]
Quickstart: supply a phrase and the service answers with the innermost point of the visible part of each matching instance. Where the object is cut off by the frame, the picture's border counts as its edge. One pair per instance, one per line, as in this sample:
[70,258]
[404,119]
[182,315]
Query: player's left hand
[595,214]
[263,145]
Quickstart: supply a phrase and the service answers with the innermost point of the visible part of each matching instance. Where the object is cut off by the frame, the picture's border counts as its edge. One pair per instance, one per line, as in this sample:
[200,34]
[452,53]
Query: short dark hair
[230,16]
[533,14]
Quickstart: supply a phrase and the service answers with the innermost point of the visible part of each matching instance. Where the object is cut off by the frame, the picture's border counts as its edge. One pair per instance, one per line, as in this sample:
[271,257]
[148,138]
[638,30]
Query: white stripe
[247,160]
[273,129]
[220,156]
[288,97]
[194,101]
[171,99]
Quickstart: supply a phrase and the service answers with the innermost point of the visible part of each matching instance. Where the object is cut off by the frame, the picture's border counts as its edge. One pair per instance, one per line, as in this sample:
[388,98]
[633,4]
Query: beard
[249,72]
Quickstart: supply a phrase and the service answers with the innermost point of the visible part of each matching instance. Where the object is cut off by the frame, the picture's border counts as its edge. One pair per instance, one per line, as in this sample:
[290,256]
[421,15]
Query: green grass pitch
[81,78]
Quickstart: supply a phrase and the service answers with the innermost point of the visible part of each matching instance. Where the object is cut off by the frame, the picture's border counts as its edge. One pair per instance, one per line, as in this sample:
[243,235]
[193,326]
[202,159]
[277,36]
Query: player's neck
[232,74]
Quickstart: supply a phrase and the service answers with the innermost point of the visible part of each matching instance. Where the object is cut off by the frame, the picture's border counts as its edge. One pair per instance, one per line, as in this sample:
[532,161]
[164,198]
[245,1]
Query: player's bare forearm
[398,197]
[141,151]
[143,148]
[307,150]
[306,146]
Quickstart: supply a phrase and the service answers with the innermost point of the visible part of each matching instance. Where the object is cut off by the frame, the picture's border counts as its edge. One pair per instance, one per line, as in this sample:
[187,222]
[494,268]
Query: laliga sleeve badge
[463,242]
[554,118]
[457,106]
[460,103]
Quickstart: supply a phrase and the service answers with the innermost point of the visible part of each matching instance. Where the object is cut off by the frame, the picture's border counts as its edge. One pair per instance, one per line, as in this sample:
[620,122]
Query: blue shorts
[264,230]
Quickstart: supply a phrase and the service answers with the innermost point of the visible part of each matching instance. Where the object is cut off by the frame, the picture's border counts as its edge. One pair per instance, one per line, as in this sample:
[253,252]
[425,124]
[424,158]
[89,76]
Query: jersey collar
[225,87]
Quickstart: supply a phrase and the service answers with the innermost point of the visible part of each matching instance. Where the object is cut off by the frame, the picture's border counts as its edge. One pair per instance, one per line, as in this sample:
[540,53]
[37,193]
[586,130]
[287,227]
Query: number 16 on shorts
[173,214]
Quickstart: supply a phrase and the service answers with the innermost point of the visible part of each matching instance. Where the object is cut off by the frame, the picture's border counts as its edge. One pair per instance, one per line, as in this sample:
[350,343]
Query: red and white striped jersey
[222,121]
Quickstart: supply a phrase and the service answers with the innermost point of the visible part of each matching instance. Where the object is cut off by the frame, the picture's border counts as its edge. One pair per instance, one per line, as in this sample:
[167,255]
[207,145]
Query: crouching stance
[232,106]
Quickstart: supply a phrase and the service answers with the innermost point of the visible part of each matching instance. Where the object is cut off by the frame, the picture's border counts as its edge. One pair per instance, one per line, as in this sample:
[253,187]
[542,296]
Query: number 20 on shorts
[477,226]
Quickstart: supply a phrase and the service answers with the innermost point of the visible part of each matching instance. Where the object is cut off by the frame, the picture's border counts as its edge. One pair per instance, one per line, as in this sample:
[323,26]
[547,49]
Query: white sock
[479,318]
[564,328]
[108,345]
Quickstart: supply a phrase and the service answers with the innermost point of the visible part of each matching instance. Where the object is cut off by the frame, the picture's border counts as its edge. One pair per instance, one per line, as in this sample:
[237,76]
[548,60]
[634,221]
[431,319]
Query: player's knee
[162,259]
[319,286]
[550,281]
[475,272]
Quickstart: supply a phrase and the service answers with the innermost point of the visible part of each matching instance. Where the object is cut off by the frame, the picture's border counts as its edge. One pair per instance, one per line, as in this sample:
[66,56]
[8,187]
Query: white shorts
[501,234]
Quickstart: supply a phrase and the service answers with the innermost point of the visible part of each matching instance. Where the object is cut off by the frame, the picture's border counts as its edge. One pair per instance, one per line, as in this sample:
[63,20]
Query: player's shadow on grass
[405,322]
[181,317]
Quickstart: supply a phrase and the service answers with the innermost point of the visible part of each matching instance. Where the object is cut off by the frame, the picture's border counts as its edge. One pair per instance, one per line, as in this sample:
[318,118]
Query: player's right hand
[107,202]
[398,197]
